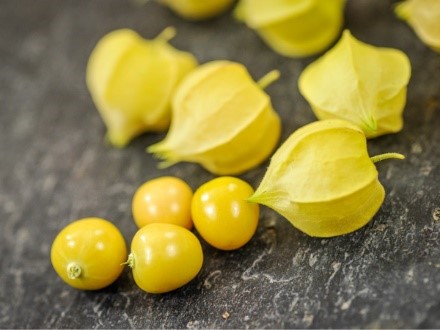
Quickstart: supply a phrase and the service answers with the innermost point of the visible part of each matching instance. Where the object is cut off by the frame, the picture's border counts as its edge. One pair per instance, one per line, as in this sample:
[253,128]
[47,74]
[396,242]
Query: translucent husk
[424,17]
[196,10]
[363,84]
[322,179]
[294,28]
[131,81]
[222,120]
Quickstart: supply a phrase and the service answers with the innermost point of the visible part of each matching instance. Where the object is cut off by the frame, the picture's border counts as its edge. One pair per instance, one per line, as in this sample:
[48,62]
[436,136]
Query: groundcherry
[322,179]
[164,199]
[131,81]
[360,83]
[222,120]
[424,17]
[222,215]
[164,257]
[88,253]
[294,28]
[197,10]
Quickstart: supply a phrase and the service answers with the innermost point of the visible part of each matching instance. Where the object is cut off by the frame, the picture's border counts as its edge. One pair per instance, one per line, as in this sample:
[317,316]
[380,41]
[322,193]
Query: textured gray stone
[55,168]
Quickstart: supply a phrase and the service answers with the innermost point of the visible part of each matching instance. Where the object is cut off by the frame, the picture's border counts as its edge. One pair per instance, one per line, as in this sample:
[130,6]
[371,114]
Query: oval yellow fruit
[164,257]
[131,81]
[294,28]
[89,253]
[222,120]
[222,215]
[360,83]
[164,199]
[322,179]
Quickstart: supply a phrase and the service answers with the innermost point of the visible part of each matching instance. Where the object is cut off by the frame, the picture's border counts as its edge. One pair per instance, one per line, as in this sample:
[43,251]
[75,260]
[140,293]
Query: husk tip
[161,152]
[252,199]
[165,164]
[115,142]
[156,149]
[401,11]
[238,12]
[259,197]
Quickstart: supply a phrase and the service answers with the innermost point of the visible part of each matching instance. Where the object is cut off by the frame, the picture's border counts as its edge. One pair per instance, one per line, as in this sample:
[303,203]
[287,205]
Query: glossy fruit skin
[165,199]
[164,257]
[93,245]
[222,215]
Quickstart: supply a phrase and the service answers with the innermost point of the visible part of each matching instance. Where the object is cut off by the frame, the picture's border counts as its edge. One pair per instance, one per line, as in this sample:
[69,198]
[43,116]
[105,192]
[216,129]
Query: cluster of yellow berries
[165,254]
[321,178]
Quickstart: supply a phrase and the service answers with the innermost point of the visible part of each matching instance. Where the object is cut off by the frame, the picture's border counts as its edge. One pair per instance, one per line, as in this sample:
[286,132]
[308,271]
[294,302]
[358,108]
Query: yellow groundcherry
[424,17]
[222,215]
[322,179]
[294,28]
[131,81]
[164,257]
[222,120]
[360,83]
[165,199]
[89,253]
[196,10]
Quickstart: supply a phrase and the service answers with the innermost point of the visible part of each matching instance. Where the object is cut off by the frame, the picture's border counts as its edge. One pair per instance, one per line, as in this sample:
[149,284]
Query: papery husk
[322,180]
[296,28]
[221,119]
[424,17]
[131,81]
[197,10]
[363,84]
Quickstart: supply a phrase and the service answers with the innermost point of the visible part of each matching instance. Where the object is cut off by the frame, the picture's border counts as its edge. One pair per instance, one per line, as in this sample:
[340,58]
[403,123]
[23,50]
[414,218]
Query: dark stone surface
[55,168]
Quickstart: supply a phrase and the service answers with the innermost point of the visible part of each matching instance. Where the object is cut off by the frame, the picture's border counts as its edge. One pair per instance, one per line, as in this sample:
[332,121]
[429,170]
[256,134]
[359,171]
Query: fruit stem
[268,79]
[387,155]
[167,34]
[73,270]
[130,261]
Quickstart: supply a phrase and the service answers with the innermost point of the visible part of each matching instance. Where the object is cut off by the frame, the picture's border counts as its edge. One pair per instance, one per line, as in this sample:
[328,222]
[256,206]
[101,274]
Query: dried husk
[424,17]
[197,10]
[363,84]
[221,119]
[295,28]
[131,81]
[322,179]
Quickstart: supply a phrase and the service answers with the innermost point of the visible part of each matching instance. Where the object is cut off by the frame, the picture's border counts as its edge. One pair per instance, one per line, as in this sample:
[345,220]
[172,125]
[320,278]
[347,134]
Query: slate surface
[55,168]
